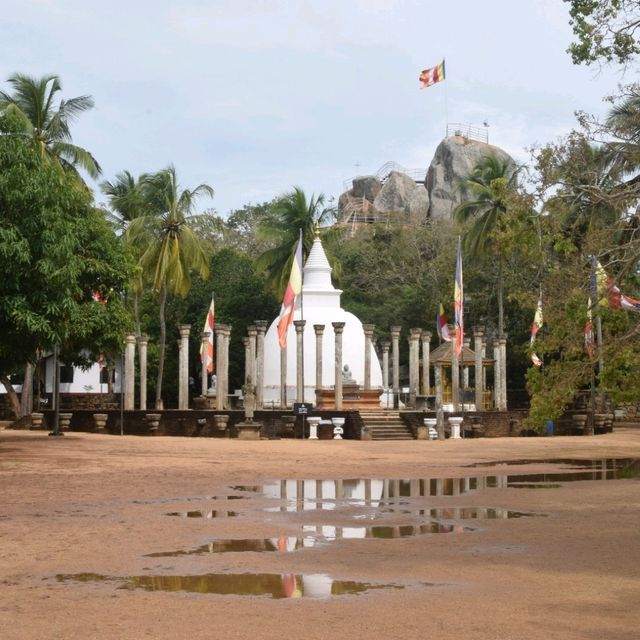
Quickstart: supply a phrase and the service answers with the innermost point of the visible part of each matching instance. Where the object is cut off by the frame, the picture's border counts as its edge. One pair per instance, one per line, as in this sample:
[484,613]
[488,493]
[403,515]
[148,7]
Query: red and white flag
[535,327]
[588,332]
[294,287]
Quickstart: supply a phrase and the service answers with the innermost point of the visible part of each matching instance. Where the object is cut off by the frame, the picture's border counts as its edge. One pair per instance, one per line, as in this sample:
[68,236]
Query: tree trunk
[500,300]
[12,395]
[136,311]
[26,397]
[163,340]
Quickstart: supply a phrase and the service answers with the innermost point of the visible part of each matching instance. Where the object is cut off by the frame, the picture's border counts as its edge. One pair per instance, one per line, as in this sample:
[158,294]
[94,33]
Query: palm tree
[487,190]
[127,201]
[47,124]
[624,123]
[169,249]
[281,227]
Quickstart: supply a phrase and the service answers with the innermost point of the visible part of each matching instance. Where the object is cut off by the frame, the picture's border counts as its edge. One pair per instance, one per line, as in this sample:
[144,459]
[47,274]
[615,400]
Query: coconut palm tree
[623,122]
[487,190]
[169,250]
[47,123]
[281,227]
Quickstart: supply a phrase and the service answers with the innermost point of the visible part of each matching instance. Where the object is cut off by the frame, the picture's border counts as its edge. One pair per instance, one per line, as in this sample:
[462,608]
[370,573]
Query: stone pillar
[204,372]
[129,371]
[219,332]
[426,362]
[299,326]
[368,344]
[414,365]
[478,334]
[484,369]
[183,367]
[225,346]
[283,378]
[259,381]
[395,346]
[438,383]
[247,357]
[455,375]
[465,367]
[319,329]
[497,374]
[252,330]
[385,363]
[338,328]
[143,341]
[502,342]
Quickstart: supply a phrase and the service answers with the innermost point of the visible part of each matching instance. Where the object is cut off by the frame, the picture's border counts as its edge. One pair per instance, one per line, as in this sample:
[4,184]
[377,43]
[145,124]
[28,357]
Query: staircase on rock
[385,425]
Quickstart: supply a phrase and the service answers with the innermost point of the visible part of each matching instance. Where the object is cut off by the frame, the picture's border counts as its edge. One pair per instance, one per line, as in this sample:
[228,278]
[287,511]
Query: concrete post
[227,340]
[252,330]
[129,371]
[259,381]
[368,344]
[219,332]
[395,346]
[183,367]
[414,365]
[299,326]
[385,363]
[338,328]
[247,357]
[204,373]
[484,369]
[503,384]
[143,341]
[497,374]
[478,334]
[283,378]
[426,362]
[319,329]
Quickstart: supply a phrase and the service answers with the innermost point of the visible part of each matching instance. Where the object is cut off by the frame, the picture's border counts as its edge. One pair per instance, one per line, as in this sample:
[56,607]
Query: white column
[143,341]
[204,373]
[395,346]
[259,381]
[183,368]
[299,327]
[319,330]
[385,363]
[368,343]
[338,328]
[414,365]
[478,333]
[426,362]
[129,371]
[219,332]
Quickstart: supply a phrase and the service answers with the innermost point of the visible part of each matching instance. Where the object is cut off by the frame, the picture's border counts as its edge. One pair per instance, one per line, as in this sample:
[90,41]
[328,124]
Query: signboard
[302,408]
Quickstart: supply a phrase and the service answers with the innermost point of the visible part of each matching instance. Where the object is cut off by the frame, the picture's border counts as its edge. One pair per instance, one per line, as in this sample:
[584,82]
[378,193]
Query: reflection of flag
[432,75]
[290,295]
[290,585]
[441,324]
[535,327]
[208,327]
[458,297]
[588,332]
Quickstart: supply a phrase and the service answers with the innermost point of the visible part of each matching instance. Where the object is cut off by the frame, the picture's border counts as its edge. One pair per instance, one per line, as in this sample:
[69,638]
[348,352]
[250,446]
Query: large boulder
[454,160]
[366,187]
[401,198]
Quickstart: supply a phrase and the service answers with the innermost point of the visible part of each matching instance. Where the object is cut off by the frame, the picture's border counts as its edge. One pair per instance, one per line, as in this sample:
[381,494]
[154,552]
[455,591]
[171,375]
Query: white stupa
[318,304]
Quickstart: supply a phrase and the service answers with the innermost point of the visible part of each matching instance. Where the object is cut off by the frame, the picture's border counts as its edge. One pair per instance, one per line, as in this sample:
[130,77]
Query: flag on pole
[611,294]
[294,287]
[535,327]
[207,355]
[458,297]
[432,75]
[442,327]
[588,331]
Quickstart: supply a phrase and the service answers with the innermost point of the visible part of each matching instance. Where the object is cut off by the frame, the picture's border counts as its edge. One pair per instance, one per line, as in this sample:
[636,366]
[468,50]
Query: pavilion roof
[443,355]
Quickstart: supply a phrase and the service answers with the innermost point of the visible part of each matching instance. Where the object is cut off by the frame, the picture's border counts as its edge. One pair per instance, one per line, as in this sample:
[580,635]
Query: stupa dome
[319,303]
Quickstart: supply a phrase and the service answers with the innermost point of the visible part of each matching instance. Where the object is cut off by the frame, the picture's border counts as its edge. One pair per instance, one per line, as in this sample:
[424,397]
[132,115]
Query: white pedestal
[313,427]
[455,427]
[337,428]
[431,423]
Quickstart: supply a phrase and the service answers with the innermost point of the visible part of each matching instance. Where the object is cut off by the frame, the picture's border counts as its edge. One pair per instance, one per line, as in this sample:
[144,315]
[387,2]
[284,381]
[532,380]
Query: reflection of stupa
[320,305]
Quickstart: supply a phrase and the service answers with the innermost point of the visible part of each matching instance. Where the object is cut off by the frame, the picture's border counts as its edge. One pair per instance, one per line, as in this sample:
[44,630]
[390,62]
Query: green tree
[605,30]
[281,227]
[169,250]
[58,252]
[487,191]
[46,123]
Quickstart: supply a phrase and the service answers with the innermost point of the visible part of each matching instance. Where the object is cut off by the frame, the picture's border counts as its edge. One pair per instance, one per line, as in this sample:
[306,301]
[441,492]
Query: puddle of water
[476,513]
[283,545]
[330,533]
[203,514]
[274,585]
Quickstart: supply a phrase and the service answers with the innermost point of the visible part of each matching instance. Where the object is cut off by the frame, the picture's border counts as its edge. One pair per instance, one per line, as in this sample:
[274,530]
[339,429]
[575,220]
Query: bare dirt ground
[96,504]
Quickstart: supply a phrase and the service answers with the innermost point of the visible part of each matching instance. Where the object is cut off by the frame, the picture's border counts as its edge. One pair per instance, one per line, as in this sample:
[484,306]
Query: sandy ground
[89,503]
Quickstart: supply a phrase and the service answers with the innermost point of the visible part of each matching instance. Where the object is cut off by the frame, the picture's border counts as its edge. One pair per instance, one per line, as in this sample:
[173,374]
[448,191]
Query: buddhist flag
[431,76]
[441,324]
[458,298]
[206,353]
[535,327]
[610,293]
[588,332]
[290,295]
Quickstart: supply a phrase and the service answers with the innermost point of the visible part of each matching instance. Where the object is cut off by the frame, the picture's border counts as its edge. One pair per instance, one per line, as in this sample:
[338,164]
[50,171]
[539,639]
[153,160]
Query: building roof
[443,355]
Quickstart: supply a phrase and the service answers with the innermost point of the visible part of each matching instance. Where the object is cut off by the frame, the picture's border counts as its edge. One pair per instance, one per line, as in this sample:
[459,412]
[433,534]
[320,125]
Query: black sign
[302,408]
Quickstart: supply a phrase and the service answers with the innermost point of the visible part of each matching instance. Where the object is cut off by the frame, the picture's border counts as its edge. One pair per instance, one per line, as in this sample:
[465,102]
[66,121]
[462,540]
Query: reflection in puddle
[382,531]
[203,514]
[283,544]
[475,513]
[242,584]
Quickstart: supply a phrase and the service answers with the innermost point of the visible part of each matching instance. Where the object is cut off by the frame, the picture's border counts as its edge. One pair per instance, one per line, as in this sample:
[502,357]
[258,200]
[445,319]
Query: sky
[254,97]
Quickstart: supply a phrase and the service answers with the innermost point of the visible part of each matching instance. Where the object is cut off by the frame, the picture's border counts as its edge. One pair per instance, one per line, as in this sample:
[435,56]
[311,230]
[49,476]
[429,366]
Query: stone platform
[353,397]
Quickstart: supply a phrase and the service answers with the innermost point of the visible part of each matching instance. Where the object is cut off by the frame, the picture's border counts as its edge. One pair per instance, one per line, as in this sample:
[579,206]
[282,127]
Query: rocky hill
[397,197]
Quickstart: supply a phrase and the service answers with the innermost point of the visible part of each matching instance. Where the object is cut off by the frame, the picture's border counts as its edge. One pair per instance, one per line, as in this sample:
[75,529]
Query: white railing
[418,175]
[481,134]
